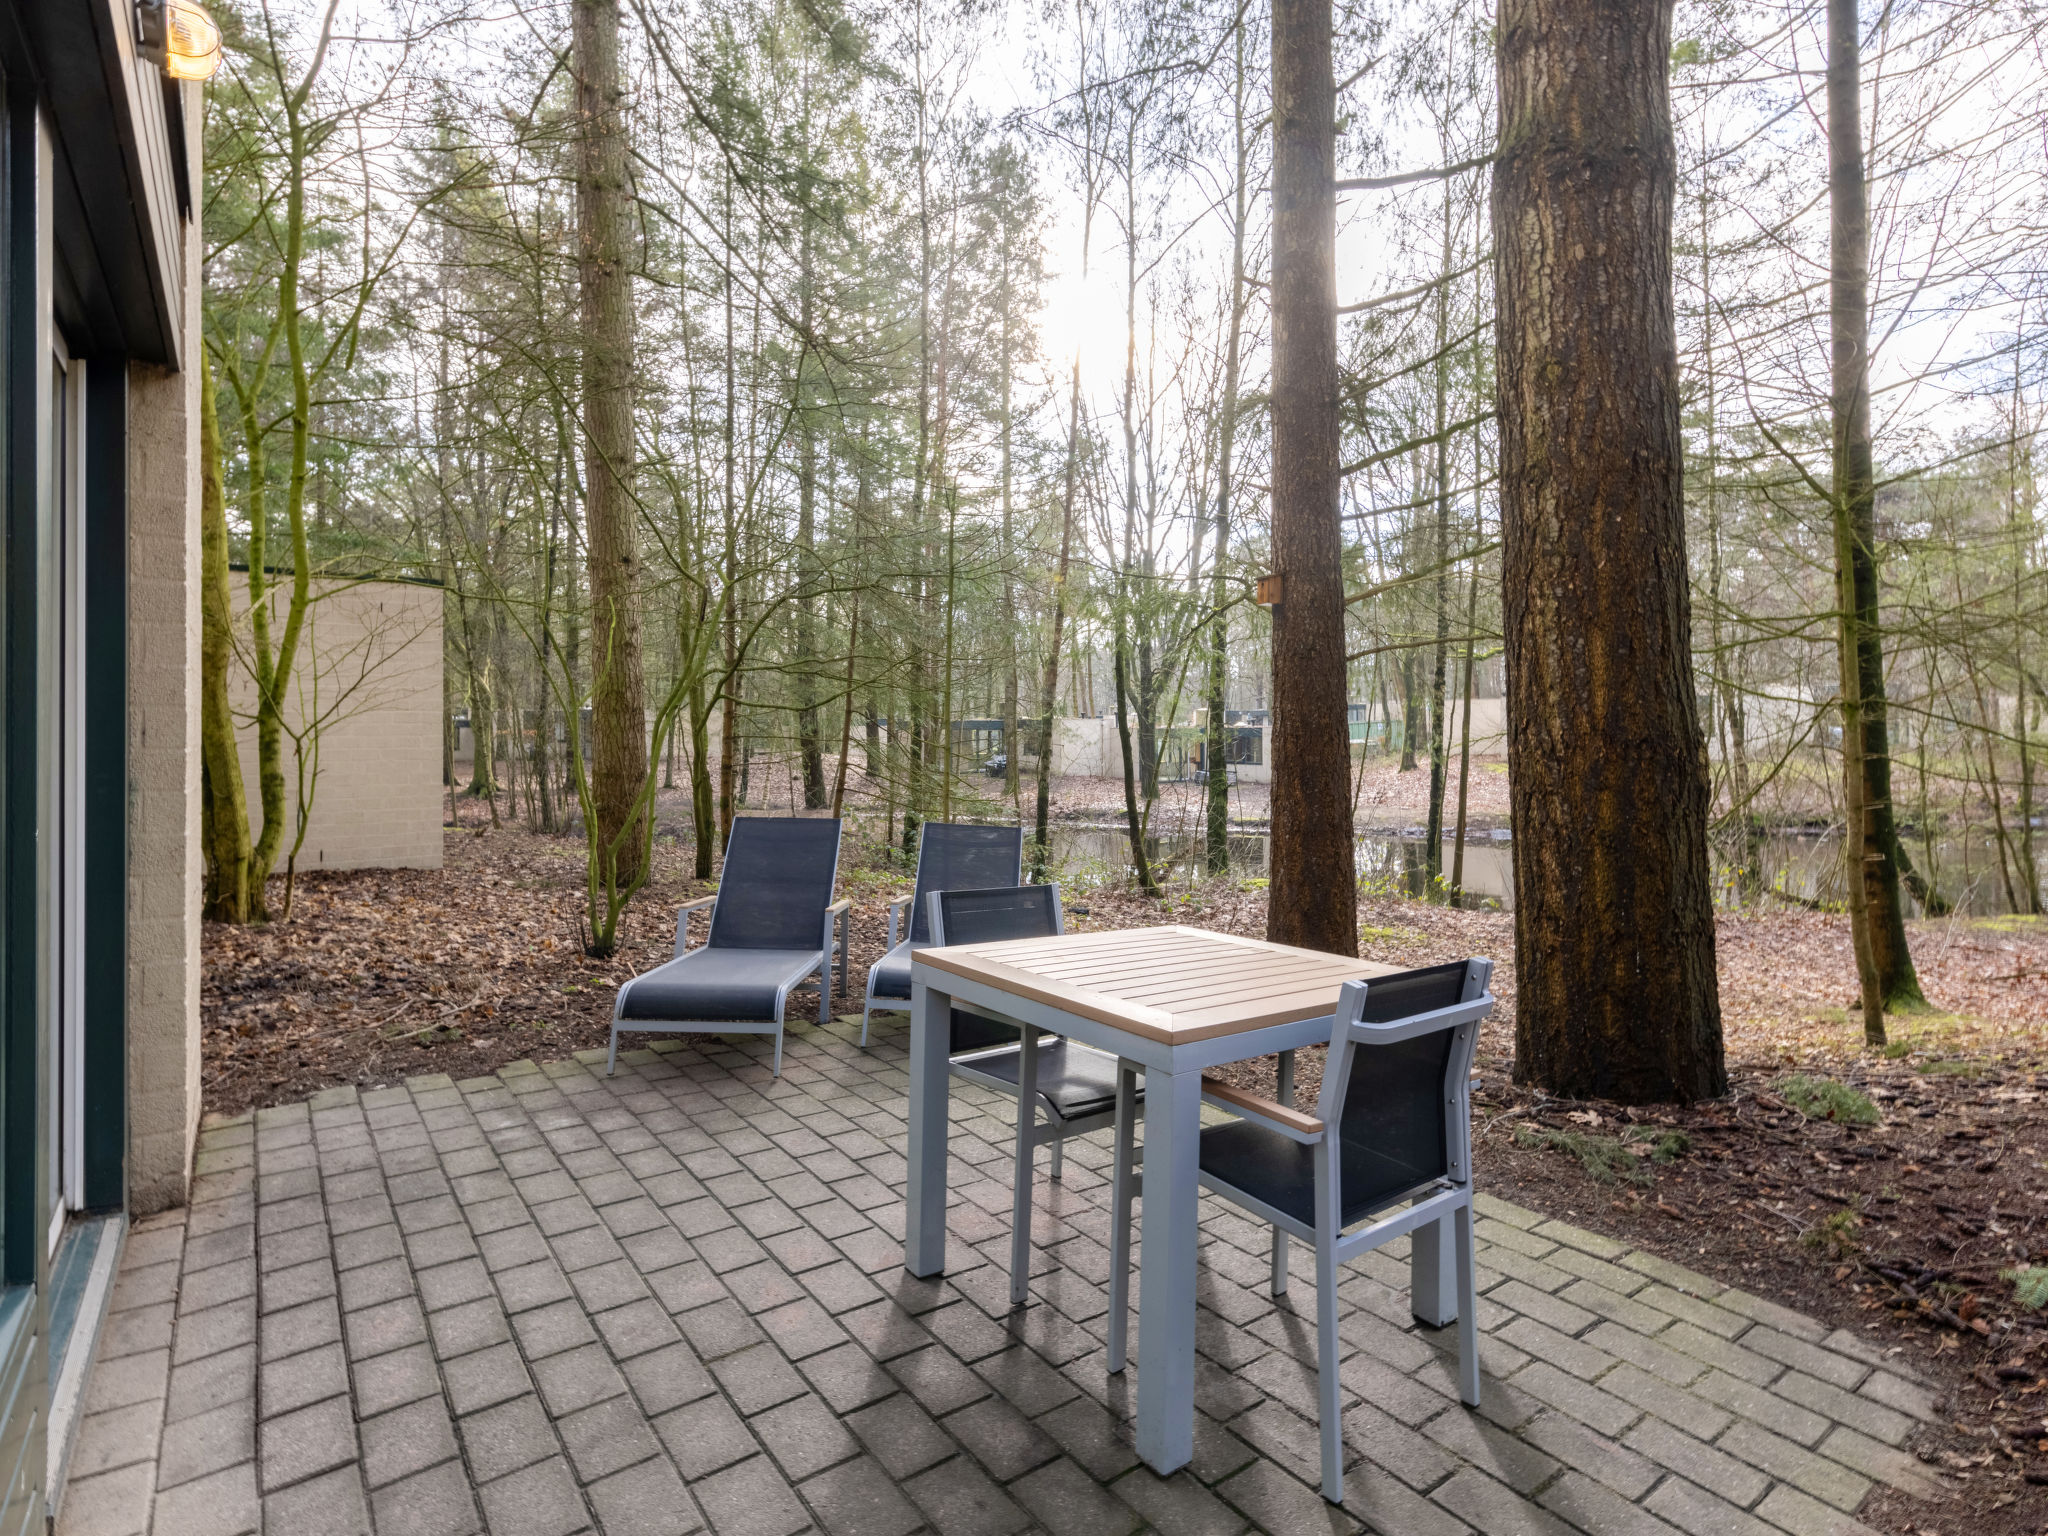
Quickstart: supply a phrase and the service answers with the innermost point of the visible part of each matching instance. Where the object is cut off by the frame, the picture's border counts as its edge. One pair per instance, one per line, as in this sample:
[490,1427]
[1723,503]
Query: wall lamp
[178,37]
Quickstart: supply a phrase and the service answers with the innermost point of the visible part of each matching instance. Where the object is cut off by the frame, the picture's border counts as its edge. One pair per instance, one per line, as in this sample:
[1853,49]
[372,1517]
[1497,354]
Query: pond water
[1804,866]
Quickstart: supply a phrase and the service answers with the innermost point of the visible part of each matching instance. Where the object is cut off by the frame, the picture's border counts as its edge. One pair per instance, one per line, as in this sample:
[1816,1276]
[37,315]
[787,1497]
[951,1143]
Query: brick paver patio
[547,1302]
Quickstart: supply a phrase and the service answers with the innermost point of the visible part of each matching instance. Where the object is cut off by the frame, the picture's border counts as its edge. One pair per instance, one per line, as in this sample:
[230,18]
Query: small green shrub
[1604,1158]
[2029,1285]
[1822,1098]
[1671,1146]
[1951,1066]
[1837,1236]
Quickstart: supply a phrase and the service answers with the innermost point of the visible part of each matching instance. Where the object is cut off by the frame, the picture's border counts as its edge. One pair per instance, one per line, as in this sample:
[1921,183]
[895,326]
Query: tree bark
[1049,692]
[1877,914]
[618,705]
[225,804]
[1614,924]
[1313,898]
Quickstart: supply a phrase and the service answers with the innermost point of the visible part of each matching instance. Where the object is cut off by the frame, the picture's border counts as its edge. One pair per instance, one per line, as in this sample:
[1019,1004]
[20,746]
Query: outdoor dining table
[1170,1001]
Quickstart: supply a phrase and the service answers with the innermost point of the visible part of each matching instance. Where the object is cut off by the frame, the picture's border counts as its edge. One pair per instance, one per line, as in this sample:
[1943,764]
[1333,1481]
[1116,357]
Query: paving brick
[1001,1438]
[406,1440]
[606,1437]
[1503,1457]
[1795,1464]
[222,1504]
[307,1441]
[329,1505]
[394,1379]
[1693,1509]
[1597,1510]
[1790,1510]
[1873,1419]
[1777,1414]
[757,1378]
[507,1437]
[1881,1462]
[111,1504]
[1179,1504]
[1587,1403]
[848,1378]
[576,1379]
[437,1502]
[1065,1499]
[857,1498]
[1737,1481]
[1282,1505]
[540,1500]
[489,1376]
[750,1499]
[215,1381]
[644,1500]
[1602,1459]
[705,1436]
[207,1442]
[1894,1391]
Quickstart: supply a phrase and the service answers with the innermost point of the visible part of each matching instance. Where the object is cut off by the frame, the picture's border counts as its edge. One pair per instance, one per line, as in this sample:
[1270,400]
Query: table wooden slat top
[1174,985]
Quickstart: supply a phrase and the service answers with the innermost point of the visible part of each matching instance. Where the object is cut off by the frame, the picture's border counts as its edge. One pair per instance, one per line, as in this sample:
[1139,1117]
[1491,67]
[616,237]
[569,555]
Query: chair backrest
[1397,1085]
[985,917]
[954,855]
[990,916]
[776,884]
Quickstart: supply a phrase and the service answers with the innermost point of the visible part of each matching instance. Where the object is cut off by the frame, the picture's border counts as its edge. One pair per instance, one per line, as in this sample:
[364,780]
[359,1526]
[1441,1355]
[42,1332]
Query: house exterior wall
[370,674]
[164,870]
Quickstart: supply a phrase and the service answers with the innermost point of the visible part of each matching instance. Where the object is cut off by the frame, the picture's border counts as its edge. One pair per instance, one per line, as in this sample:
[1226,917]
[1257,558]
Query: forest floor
[1903,1229]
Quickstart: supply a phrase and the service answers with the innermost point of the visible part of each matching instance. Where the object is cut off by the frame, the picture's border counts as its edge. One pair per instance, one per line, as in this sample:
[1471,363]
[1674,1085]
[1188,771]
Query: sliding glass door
[61,824]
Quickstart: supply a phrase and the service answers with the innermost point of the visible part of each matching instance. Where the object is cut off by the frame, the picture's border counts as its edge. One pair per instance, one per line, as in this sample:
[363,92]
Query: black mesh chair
[1397,1091]
[950,856]
[771,927]
[1074,1086]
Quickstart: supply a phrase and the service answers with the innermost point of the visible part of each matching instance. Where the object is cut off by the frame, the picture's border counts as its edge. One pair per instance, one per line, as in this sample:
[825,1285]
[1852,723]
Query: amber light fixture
[179,37]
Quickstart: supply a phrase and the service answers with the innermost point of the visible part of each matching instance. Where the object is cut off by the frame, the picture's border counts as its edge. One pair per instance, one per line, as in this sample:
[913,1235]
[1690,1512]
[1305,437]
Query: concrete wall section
[164,869]
[369,673]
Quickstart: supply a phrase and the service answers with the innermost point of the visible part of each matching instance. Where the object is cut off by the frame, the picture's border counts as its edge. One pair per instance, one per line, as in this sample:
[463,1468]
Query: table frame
[1173,1115]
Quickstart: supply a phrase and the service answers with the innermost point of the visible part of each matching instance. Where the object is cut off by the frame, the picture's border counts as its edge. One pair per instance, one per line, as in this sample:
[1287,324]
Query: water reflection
[1775,869]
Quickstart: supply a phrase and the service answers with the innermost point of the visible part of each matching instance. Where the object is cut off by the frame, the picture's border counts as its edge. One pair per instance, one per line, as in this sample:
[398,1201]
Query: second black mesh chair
[771,927]
[950,856]
[1072,1085]
[1392,1129]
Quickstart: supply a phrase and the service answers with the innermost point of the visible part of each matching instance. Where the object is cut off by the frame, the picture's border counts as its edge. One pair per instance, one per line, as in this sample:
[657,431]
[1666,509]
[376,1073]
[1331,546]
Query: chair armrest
[1291,1123]
[843,904]
[898,904]
[683,921]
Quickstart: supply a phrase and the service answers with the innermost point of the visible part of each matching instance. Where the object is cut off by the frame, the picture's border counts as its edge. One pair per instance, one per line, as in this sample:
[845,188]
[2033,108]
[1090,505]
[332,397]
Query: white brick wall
[370,671]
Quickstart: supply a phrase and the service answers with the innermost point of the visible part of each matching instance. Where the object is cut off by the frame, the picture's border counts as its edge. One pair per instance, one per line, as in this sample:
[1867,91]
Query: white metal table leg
[1285,1095]
[1020,1195]
[1166,1296]
[1122,1177]
[1432,1276]
[924,1228]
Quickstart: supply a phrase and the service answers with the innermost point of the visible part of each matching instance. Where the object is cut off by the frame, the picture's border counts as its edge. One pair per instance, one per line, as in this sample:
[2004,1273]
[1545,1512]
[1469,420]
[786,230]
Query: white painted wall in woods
[372,668]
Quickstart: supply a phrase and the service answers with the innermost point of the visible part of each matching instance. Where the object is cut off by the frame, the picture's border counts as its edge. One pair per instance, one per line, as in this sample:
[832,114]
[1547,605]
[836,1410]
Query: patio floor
[547,1302]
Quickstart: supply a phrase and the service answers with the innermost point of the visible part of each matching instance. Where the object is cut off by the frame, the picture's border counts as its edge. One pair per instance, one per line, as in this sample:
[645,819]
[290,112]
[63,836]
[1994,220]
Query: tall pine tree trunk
[1313,898]
[1876,913]
[618,707]
[1614,922]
